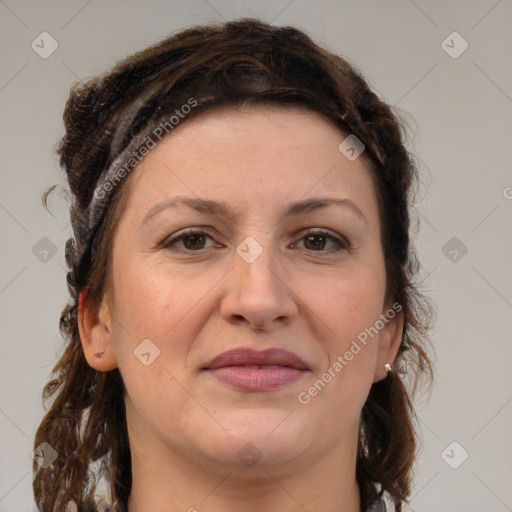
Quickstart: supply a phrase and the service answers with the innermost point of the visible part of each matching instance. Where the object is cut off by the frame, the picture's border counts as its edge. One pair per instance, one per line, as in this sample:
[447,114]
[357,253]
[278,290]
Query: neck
[177,483]
[233,491]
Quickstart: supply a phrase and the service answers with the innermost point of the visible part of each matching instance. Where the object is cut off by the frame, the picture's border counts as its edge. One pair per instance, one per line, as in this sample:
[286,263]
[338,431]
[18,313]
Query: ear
[389,340]
[94,326]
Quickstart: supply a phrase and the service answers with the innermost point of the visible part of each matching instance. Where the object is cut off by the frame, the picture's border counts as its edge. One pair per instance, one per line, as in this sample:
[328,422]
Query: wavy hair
[233,63]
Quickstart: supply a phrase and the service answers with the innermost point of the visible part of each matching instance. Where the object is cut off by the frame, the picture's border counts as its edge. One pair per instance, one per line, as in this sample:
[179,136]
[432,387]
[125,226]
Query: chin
[259,438]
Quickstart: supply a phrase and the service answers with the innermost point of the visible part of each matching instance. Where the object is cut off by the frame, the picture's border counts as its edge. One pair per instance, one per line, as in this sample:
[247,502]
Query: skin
[185,427]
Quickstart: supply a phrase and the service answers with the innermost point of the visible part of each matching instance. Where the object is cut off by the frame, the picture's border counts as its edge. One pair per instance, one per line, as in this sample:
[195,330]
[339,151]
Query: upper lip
[250,357]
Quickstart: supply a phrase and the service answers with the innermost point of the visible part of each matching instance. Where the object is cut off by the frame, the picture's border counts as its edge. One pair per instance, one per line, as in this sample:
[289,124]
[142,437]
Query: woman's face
[287,257]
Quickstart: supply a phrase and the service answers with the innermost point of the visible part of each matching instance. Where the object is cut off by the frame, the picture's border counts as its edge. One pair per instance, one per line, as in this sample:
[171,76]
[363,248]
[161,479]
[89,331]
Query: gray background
[459,110]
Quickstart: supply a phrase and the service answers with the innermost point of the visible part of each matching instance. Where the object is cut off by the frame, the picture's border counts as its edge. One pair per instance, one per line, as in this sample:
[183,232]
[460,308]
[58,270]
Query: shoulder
[115,507]
[377,506]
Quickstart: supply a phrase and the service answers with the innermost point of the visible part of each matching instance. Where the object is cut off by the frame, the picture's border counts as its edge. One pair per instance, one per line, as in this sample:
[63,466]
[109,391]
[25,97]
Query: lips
[252,358]
[251,370]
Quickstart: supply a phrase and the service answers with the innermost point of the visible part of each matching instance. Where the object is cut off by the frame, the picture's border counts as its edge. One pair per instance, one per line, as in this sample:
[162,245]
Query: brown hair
[226,64]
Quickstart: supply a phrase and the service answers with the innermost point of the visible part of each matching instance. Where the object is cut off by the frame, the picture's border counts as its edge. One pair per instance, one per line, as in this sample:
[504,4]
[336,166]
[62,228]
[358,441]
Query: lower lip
[257,379]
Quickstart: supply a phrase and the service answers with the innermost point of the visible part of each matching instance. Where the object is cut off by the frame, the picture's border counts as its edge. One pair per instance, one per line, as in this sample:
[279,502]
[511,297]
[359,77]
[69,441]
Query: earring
[99,354]
[388,368]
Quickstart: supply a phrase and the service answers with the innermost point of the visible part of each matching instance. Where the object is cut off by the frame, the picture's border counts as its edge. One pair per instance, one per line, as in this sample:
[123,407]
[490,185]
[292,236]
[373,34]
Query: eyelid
[179,235]
[335,237]
[341,241]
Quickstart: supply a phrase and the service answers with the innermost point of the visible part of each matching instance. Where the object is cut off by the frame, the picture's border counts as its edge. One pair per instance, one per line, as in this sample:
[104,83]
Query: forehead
[257,155]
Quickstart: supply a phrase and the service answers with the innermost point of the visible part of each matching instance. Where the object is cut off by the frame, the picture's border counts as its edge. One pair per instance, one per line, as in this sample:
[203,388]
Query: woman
[241,284]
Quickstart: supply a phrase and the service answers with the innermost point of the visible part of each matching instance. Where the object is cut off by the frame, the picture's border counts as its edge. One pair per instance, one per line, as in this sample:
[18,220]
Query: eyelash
[167,243]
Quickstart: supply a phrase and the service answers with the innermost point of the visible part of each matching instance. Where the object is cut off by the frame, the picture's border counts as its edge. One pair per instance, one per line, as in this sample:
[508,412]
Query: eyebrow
[225,210]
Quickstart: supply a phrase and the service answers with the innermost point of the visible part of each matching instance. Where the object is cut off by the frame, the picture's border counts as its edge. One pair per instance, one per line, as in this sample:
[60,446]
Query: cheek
[165,305]
[153,303]
[349,307]
[348,302]
[145,291]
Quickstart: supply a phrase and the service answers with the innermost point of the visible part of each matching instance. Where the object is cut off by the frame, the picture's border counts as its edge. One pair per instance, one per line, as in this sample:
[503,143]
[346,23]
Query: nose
[259,293]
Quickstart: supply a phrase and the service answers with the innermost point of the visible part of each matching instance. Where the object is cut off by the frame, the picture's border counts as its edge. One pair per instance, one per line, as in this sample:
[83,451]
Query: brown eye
[316,241]
[191,240]
[194,241]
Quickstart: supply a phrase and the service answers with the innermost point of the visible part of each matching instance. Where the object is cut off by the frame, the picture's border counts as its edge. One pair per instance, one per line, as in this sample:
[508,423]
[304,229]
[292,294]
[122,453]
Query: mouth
[251,370]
